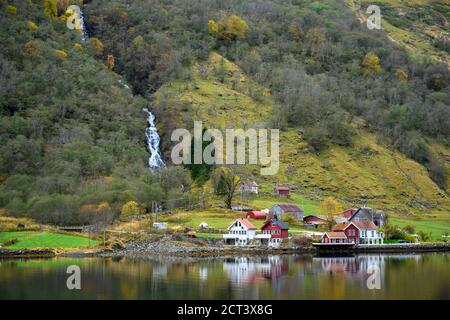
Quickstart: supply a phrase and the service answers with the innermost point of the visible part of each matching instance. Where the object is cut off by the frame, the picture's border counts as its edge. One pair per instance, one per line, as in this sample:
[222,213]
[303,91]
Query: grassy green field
[436,227]
[213,219]
[31,240]
[310,207]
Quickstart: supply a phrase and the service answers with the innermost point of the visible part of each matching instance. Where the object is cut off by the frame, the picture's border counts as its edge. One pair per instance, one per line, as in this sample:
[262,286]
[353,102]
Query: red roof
[365,225]
[247,223]
[256,214]
[314,218]
[334,235]
[341,226]
[347,214]
[283,188]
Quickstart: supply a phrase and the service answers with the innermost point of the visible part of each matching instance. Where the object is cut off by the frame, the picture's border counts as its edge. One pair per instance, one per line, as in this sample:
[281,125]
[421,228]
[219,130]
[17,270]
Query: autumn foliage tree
[371,63]
[95,214]
[229,28]
[96,47]
[401,74]
[294,32]
[330,207]
[110,62]
[51,7]
[131,208]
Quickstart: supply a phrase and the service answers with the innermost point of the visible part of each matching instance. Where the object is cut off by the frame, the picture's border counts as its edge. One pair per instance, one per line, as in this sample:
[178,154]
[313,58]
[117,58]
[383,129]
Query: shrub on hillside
[57,209]
[131,208]
[302,241]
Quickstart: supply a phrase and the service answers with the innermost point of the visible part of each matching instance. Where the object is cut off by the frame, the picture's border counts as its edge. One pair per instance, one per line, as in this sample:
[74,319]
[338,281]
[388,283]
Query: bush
[131,208]
[316,138]
[302,241]
[11,10]
[16,207]
[9,242]
[12,224]
[424,236]
[32,26]
[409,229]
[58,210]
[61,53]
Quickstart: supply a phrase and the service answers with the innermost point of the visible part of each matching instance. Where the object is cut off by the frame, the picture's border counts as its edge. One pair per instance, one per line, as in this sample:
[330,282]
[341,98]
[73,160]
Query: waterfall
[84,34]
[151,133]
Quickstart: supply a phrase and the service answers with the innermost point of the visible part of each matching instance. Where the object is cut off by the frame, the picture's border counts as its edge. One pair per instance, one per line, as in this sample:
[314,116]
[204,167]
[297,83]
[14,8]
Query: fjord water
[424,276]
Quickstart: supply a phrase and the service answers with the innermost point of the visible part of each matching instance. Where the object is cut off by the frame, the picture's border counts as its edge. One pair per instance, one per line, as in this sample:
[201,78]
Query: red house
[350,230]
[281,191]
[335,237]
[277,229]
[314,221]
[256,215]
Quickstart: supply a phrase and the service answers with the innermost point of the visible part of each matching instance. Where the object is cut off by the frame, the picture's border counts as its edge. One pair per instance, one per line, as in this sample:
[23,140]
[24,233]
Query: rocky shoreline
[168,246]
[27,253]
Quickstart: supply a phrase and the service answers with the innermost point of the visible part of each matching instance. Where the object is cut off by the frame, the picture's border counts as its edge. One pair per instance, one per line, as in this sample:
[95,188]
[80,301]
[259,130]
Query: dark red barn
[281,191]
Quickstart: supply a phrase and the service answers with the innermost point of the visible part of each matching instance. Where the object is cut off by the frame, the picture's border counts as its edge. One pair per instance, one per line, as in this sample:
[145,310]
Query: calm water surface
[424,276]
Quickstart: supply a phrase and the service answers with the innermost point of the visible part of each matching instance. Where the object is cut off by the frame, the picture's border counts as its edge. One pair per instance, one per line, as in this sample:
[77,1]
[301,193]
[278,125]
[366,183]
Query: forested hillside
[421,26]
[361,117]
[72,134]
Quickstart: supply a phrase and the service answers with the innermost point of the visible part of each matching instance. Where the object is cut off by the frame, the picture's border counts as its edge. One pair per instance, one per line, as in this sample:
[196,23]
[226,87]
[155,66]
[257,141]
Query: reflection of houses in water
[159,271]
[255,270]
[357,268]
[368,262]
[203,273]
[339,264]
[273,267]
[351,264]
[240,269]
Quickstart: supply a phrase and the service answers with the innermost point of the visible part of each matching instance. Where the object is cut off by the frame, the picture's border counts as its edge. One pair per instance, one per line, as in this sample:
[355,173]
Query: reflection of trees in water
[280,277]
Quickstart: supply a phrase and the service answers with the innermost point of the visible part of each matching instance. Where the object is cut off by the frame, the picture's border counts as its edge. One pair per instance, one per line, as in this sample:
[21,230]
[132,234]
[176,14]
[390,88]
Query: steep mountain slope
[360,118]
[422,26]
[368,172]
[71,130]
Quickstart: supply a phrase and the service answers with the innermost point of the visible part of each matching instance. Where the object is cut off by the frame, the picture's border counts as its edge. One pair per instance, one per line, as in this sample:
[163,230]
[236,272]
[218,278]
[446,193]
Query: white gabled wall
[240,233]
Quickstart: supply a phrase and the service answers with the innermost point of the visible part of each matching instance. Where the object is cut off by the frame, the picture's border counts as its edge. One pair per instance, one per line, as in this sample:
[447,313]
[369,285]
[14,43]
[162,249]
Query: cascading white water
[84,34]
[151,133]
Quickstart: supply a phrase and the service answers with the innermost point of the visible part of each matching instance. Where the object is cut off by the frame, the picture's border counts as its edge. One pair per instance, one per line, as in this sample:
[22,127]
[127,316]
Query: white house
[368,233]
[242,232]
[160,225]
[358,232]
[250,187]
